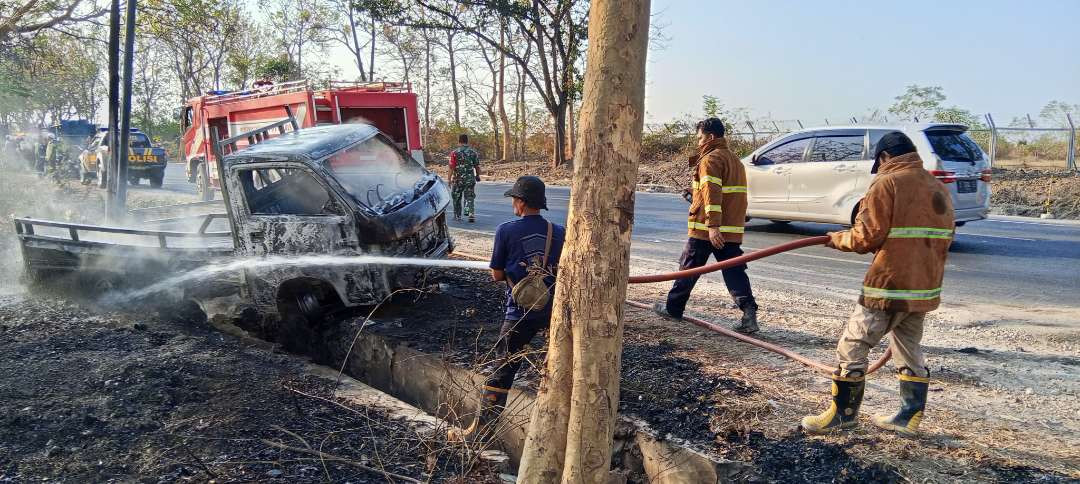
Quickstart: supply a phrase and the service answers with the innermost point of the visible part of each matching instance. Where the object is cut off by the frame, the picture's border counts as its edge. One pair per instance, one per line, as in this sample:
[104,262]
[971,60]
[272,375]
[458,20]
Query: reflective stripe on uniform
[729,229]
[713,208]
[905,294]
[712,179]
[734,189]
[912,378]
[694,184]
[919,233]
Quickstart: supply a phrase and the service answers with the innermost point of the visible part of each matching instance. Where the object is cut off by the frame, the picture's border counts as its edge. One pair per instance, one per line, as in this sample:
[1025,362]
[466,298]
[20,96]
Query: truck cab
[339,190]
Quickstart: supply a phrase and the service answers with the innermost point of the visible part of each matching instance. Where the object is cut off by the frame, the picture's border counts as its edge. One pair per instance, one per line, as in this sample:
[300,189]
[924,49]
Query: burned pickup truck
[300,211]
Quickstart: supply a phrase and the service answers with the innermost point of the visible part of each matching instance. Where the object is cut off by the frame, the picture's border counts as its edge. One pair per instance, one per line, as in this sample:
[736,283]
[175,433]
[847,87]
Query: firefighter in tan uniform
[906,220]
[715,224]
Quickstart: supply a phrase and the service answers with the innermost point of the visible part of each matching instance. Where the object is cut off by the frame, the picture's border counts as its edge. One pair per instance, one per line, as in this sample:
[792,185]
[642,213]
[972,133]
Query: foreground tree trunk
[573,422]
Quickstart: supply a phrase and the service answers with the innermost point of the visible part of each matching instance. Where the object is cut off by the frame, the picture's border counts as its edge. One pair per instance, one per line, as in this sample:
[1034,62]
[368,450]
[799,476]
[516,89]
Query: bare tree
[573,420]
[507,143]
[300,25]
[554,28]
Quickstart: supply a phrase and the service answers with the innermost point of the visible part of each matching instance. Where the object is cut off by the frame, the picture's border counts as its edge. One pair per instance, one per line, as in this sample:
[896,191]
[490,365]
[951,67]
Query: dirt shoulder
[1003,403]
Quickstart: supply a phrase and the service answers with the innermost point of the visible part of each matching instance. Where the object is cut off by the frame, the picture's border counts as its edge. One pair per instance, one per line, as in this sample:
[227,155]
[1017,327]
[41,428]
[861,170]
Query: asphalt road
[1014,262]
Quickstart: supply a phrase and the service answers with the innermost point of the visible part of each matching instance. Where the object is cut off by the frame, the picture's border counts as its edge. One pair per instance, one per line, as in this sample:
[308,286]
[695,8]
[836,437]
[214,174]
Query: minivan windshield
[376,174]
[954,146]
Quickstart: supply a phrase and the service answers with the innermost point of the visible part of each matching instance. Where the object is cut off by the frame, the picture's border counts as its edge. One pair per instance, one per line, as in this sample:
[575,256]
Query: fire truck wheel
[202,183]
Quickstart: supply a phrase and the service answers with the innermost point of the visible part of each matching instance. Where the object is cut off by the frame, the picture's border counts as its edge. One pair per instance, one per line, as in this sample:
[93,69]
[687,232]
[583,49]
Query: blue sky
[813,59]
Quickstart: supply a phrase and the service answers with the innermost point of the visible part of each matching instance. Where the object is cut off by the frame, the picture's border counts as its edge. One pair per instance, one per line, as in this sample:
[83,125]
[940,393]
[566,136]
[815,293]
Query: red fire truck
[389,106]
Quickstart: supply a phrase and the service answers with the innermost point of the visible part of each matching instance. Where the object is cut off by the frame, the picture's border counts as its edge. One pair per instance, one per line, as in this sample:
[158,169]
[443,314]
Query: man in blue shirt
[517,244]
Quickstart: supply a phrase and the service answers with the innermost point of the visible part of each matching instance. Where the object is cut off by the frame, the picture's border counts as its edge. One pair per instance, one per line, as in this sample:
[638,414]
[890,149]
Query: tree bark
[371,58]
[355,41]
[507,143]
[570,131]
[558,155]
[453,77]
[427,86]
[573,420]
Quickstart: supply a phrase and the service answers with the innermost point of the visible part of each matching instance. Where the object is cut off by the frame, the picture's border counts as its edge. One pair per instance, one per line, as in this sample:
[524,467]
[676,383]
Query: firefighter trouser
[468,192]
[696,254]
[864,330]
[513,337]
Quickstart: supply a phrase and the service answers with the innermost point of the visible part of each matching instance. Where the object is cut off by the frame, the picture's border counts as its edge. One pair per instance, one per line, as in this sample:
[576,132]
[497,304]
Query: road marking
[1000,237]
[1028,223]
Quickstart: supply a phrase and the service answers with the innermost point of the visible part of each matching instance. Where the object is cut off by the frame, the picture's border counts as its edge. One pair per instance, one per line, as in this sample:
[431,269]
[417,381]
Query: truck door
[288,210]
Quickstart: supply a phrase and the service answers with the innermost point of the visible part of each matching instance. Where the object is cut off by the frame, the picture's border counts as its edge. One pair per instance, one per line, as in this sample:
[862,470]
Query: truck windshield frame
[377,174]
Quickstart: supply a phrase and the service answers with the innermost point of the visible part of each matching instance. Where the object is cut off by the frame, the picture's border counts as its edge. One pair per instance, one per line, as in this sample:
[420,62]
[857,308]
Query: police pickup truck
[144,159]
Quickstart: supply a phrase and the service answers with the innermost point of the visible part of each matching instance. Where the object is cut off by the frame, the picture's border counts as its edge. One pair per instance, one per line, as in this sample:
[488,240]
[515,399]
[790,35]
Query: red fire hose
[758,254]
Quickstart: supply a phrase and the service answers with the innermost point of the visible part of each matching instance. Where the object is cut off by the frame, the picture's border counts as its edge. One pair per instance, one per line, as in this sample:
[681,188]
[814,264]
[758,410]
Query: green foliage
[47,78]
[958,115]
[711,106]
[918,102]
[277,69]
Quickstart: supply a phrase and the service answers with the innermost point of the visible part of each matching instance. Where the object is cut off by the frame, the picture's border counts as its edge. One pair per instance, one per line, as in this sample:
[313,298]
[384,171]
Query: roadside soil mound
[1030,192]
[1023,191]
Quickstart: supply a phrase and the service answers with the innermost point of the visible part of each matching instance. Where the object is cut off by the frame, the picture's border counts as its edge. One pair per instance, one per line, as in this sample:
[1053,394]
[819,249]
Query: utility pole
[116,173]
[125,114]
[106,165]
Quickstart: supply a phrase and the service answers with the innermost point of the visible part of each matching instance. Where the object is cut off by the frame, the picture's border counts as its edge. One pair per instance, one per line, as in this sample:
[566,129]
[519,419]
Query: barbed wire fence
[1021,144]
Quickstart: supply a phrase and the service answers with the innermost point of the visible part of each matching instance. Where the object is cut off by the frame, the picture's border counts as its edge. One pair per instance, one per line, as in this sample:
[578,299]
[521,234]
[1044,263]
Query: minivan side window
[837,148]
[790,152]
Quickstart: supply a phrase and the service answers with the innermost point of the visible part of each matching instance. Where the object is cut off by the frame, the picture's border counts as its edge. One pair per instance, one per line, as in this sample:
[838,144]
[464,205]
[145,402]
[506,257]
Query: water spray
[210,271]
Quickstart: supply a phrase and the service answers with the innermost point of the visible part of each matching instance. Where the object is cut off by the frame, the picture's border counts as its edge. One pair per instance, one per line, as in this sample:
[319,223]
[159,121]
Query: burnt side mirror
[760,160]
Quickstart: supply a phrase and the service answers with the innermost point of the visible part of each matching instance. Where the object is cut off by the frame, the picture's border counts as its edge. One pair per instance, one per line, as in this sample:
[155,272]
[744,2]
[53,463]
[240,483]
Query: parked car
[144,159]
[821,174]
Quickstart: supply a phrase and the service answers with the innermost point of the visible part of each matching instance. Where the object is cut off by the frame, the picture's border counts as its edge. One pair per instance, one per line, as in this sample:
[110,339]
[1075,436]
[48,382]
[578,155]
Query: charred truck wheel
[303,306]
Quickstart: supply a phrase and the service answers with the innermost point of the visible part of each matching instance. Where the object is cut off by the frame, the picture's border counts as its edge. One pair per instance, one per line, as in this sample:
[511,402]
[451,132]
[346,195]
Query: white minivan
[821,174]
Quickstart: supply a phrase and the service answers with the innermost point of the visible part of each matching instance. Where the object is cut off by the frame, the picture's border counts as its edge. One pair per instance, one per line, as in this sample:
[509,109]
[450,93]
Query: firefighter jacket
[906,220]
[719,193]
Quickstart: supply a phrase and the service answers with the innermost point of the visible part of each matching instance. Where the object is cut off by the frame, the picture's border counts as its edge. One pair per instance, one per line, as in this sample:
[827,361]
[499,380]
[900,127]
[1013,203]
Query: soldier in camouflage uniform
[464,172]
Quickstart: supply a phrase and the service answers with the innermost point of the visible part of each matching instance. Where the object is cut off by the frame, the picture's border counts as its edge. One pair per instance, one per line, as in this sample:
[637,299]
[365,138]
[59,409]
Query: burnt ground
[675,395]
[93,396]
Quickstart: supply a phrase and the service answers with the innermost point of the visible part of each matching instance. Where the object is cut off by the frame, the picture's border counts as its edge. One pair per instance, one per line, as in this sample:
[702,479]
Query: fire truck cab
[389,107]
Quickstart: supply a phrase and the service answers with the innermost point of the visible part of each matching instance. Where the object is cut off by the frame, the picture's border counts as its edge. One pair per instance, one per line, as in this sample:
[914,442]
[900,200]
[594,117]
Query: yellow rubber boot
[913,391]
[843,411]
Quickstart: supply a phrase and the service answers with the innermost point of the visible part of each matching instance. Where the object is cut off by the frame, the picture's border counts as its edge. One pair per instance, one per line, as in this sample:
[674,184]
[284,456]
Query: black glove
[688,196]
